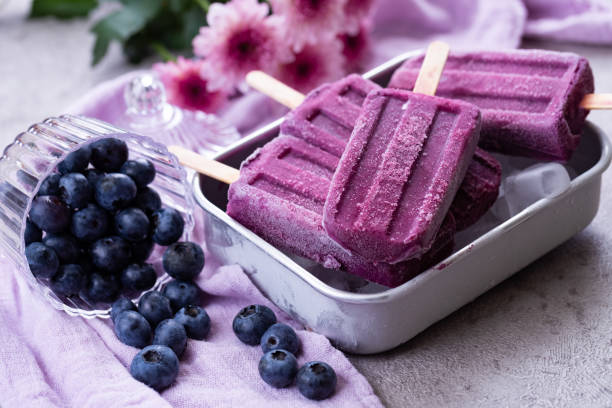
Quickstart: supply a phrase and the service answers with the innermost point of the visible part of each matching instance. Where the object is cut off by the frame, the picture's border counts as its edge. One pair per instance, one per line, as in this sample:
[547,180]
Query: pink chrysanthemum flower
[355,12]
[313,65]
[240,38]
[185,86]
[355,48]
[310,21]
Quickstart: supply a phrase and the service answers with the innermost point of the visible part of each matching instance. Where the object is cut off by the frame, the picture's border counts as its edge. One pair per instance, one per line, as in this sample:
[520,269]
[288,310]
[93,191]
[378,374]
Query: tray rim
[384,296]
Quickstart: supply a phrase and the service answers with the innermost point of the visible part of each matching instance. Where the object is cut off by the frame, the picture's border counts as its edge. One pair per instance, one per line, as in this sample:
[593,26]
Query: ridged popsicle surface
[529,98]
[399,173]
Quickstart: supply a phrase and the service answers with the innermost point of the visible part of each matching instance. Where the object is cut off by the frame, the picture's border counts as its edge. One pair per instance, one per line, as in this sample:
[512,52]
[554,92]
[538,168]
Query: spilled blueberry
[195,320]
[155,307]
[156,366]
[278,368]
[121,305]
[316,380]
[172,334]
[280,336]
[252,322]
[132,329]
[181,294]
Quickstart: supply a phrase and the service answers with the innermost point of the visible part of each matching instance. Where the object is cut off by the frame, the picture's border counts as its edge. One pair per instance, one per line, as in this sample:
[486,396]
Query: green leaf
[62,8]
[180,36]
[177,6]
[100,49]
[132,18]
[122,24]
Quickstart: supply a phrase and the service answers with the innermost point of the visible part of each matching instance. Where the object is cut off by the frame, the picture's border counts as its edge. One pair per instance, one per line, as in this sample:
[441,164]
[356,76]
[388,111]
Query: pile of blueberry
[256,325]
[95,222]
[163,321]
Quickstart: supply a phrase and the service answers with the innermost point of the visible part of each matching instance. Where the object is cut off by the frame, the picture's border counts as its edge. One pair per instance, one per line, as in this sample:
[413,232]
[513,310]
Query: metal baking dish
[365,318]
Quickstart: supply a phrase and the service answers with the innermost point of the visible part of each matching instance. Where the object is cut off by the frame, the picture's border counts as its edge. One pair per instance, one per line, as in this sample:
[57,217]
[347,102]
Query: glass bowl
[34,154]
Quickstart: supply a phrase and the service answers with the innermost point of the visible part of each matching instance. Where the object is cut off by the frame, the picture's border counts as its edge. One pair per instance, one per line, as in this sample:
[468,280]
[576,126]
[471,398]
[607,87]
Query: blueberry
[138,277]
[156,366]
[65,246]
[75,162]
[278,368]
[316,380]
[132,224]
[75,190]
[181,294]
[183,260]
[252,322]
[141,171]
[172,334]
[114,191]
[132,329]
[195,320]
[93,175]
[121,305]
[43,261]
[101,288]
[32,233]
[111,254]
[50,214]
[167,226]
[50,185]
[142,250]
[280,336]
[155,307]
[90,223]
[108,154]
[148,200]
[69,280]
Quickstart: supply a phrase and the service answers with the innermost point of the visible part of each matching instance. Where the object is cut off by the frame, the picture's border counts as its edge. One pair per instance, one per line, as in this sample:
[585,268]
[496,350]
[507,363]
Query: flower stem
[163,52]
[204,4]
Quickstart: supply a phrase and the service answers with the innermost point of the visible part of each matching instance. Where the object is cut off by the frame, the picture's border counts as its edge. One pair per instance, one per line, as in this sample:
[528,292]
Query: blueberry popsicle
[397,177]
[530,99]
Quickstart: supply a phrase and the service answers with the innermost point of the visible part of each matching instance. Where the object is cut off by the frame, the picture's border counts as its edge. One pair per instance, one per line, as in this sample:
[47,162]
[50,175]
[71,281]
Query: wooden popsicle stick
[431,70]
[204,165]
[597,101]
[275,89]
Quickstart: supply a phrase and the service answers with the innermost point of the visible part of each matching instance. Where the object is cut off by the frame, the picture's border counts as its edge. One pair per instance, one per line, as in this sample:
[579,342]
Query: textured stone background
[543,338]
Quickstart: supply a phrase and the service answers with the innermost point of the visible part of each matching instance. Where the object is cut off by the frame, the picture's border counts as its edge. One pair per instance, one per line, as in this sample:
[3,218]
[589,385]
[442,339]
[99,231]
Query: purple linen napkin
[51,359]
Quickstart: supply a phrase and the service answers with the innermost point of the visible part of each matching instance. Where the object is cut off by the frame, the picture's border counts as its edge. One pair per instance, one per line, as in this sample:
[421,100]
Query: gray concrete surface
[543,338]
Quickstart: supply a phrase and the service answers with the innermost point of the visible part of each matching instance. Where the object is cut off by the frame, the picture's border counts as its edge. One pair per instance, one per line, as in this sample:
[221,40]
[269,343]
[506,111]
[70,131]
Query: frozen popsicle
[530,99]
[280,196]
[399,173]
[478,191]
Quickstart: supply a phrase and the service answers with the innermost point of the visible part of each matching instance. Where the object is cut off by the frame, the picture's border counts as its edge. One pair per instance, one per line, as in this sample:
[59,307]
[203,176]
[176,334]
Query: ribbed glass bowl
[34,154]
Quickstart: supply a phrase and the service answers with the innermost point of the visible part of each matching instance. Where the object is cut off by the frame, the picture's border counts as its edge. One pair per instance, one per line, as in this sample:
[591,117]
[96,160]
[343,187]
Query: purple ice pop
[529,99]
[399,173]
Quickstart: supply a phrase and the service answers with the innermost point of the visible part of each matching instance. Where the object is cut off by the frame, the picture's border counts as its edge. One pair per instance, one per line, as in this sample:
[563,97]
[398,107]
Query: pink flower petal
[240,38]
[185,86]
